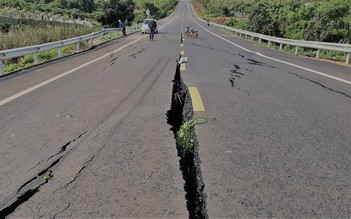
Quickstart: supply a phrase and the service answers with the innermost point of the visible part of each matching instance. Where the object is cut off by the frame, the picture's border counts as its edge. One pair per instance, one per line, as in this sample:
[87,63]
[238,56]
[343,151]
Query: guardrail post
[109,35]
[252,38]
[281,47]
[348,58]
[240,35]
[269,43]
[36,58]
[297,50]
[102,35]
[78,46]
[259,40]
[60,52]
[2,70]
[318,53]
[91,40]
[116,34]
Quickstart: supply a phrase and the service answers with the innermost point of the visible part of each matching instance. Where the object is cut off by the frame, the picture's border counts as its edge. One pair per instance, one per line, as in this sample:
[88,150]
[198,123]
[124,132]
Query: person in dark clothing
[121,25]
[152,26]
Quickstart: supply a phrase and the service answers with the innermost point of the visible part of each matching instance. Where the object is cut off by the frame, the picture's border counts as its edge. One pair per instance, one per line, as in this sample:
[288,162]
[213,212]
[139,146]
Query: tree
[5,27]
[328,23]
[260,21]
[154,11]
[226,11]
[116,9]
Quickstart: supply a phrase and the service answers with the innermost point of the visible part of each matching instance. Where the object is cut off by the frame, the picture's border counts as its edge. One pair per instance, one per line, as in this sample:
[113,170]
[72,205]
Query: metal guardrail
[338,47]
[18,52]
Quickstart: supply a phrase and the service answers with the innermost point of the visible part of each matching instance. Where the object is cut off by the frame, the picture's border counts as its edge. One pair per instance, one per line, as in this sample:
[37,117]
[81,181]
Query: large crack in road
[180,112]
[32,186]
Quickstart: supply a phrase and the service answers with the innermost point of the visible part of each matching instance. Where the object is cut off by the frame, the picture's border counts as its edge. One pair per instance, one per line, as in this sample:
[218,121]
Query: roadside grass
[186,134]
[240,23]
[324,54]
[330,55]
[27,36]
[27,61]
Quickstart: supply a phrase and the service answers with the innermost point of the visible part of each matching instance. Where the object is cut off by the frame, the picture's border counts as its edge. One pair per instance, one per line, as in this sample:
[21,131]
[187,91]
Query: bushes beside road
[325,21]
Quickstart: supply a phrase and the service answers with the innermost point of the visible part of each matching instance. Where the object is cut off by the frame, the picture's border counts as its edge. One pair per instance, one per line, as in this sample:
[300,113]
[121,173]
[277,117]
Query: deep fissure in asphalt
[20,200]
[180,112]
[26,191]
[32,186]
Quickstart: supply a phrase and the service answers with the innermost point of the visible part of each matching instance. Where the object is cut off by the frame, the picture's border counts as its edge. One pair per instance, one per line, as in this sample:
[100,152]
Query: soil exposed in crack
[180,112]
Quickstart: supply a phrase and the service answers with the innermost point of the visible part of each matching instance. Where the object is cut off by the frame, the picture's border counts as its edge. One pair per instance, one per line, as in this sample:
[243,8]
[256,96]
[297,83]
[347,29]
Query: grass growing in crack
[186,134]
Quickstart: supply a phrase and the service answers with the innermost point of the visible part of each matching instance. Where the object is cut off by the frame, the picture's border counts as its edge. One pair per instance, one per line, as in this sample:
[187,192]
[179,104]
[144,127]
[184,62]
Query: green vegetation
[101,13]
[42,21]
[28,60]
[21,36]
[327,21]
[107,12]
[186,134]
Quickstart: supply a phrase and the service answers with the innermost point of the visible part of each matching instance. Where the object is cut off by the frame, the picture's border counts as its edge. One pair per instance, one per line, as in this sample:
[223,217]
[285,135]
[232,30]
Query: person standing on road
[121,25]
[152,26]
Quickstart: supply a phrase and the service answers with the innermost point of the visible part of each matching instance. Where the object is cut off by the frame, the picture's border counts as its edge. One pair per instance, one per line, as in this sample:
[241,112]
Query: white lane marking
[274,59]
[307,69]
[15,96]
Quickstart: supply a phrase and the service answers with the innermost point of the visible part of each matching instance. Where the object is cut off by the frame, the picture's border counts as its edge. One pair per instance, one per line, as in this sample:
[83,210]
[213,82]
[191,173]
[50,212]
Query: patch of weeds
[331,55]
[289,49]
[186,134]
[27,61]
[9,67]
[48,55]
[338,56]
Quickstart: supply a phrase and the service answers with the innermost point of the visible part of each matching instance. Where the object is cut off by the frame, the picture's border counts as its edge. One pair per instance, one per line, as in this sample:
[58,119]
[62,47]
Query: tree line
[103,12]
[316,20]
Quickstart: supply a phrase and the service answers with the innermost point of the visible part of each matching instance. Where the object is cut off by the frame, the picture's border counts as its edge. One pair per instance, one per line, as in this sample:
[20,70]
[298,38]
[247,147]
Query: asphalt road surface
[279,146]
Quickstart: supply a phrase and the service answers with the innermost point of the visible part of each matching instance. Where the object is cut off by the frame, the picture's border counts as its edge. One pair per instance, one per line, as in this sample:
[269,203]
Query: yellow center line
[198,106]
[182,67]
[182,52]
[181,45]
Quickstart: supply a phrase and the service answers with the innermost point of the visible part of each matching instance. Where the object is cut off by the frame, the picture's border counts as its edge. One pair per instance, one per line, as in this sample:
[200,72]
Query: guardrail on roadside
[319,46]
[18,52]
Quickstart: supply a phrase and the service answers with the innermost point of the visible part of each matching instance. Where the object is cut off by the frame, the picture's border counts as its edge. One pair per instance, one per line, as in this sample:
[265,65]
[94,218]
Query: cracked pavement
[100,133]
